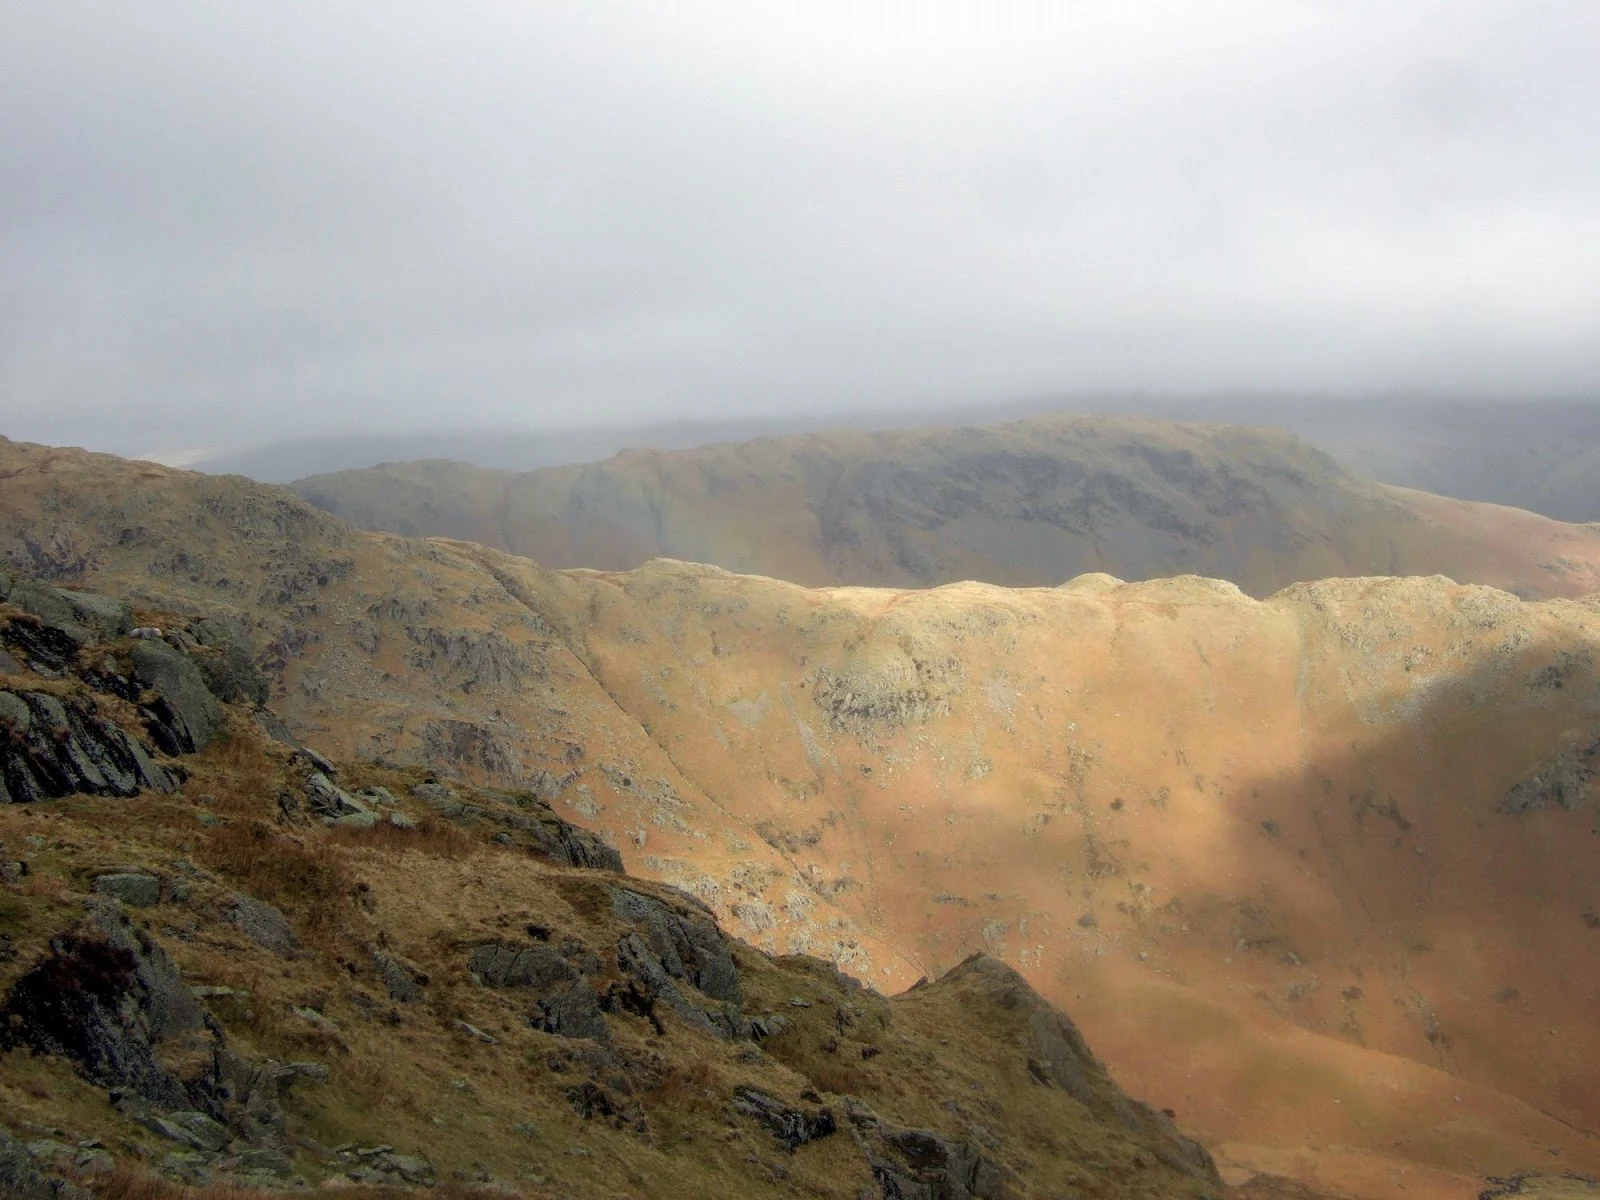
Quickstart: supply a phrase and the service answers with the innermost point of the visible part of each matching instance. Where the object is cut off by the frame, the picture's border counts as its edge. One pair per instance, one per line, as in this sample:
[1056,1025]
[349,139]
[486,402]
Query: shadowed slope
[1025,504]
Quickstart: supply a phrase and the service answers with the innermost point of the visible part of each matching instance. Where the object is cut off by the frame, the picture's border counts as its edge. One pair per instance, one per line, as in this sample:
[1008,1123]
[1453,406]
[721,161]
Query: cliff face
[1313,871]
[1031,503]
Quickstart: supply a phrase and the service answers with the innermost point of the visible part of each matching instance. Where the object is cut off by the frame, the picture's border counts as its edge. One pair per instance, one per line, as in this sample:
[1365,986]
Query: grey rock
[1562,782]
[51,607]
[20,1173]
[364,820]
[689,948]
[636,960]
[204,1133]
[400,821]
[8,664]
[58,747]
[922,1163]
[103,616]
[331,800]
[403,981]
[789,1124]
[319,762]
[539,966]
[130,888]
[267,1162]
[186,716]
[261,923]
[573,1012]
[409,1167]
[109,999]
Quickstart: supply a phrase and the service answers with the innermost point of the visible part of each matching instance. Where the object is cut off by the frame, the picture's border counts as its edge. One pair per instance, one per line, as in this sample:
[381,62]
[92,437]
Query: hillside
[1315,871]
[1031,503]
[291,973]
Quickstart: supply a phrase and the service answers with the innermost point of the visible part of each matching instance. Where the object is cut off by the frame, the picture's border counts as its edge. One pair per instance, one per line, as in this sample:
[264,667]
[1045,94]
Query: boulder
[330,800]
[261,923]
[50,607]
[130,887]
[186,716]
[538,965]
[103,616]
[573,1012]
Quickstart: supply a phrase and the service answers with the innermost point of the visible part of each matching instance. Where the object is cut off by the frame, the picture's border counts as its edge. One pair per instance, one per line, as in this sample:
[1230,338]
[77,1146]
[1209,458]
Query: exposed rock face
[50,746]
[792,1126]
[686,947]
[188,715]
[1563,782]
[109,999]
[81,616]
[262,924]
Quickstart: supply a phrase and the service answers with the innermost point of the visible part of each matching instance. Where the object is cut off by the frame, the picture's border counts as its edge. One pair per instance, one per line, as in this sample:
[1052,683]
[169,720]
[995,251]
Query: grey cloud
[223,223]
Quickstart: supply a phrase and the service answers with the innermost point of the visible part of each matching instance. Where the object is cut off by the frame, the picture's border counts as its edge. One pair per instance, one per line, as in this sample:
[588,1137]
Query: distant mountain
[1315,872]
[1030,503]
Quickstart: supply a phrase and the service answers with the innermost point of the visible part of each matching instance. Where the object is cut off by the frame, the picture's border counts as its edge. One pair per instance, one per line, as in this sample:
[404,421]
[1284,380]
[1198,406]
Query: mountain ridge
[1030,503]
[1274,853]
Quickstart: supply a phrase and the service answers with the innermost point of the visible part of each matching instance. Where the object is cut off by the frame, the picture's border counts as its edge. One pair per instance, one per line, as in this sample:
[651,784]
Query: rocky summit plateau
[462,857]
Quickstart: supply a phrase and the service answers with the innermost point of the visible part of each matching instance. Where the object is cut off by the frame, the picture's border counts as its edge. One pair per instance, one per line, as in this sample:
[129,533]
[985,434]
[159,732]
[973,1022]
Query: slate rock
[50,747]
[689,948]
[21,1176]
[261,923]
[130,887]
[331,800]
[573,1012]
[537,965]
[107,997]
[653,982]
[186,716]
[40,647]
[50,607]
[103,616]
[789,1124]
[403,981]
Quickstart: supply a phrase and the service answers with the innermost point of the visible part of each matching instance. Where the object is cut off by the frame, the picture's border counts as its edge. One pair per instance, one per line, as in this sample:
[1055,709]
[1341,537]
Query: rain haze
[222,225]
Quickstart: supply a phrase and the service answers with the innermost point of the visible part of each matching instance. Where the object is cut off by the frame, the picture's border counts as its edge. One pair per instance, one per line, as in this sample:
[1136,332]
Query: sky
[222,224]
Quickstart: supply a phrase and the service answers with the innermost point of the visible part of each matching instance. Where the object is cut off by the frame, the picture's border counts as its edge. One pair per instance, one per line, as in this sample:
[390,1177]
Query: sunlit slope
[1030,503]
[1316,871]
[1337,846]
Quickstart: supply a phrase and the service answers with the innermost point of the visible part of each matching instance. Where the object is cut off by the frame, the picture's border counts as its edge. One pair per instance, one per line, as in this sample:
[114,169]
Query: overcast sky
[225,222]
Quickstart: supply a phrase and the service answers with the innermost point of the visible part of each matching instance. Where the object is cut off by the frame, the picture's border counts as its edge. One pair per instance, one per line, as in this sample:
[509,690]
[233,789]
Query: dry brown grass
[839,1070]
[308,878]
[695,1087]
[127,1184]
[440,839]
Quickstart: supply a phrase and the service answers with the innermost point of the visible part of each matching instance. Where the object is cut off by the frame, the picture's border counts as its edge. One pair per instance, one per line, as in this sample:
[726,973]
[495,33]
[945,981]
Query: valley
[1314,870]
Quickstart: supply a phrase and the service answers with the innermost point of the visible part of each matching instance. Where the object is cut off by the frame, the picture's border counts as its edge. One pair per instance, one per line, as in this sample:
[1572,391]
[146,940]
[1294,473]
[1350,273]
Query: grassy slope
[1315,777]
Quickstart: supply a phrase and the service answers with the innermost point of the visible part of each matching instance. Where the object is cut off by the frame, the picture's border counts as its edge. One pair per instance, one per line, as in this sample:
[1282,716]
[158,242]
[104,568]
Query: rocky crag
[1311,871]
[1027,504]
[250,966]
